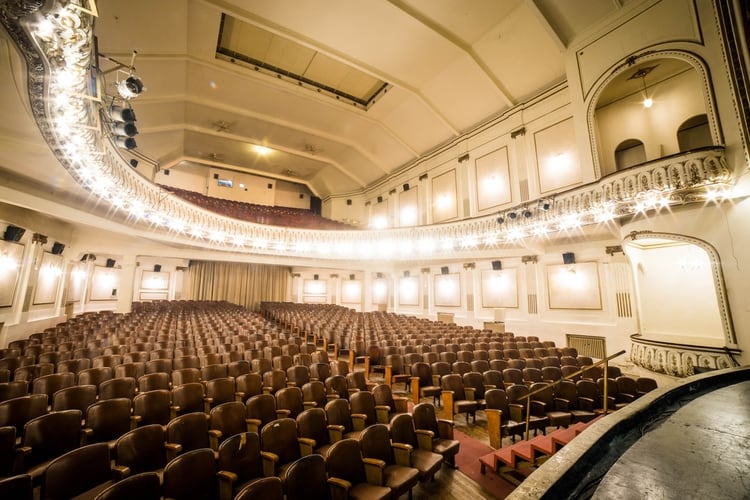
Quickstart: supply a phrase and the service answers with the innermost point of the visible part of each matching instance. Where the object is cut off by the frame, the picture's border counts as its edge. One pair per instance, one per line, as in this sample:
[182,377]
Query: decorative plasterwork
[679,360]
[56,39]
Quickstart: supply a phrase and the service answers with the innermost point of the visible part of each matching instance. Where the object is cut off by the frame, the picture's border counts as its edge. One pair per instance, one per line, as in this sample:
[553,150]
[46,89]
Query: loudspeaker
[316,205]
[57,248]
[351,277]
[406,274]
[569,258]
[315,277]
[379,275]
[406,187]
[216,176]
[13,233]
[444,270]
[348,202]
[157,268]
[110,262]
[497,265]
[380,199]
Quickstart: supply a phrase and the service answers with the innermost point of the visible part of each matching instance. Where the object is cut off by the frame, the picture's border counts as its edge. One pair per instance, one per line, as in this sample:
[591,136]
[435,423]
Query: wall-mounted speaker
[406,274]
[13,233]
[379,275]
[569,258]
[349,202]
[351,277]
[380,199]
[216,176]
[157,268]
[110,262]
[57,248]
[315,277]
[497,265]
[406,187]
[444,270]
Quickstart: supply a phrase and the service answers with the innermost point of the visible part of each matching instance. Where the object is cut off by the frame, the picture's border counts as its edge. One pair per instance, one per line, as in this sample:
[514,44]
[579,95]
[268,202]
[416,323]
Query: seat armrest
[306,446]
[87,434]
[173,449]
[538,408]
[253,425]
[269,463]
[359,421]
[470,393]
[382,412]
[283,413]
[207,402]
[134,421]
[562,404]
[291,383]
[239,396]
[309,404]
[436,380]
[227,480]
[402,453]
[331,396]
[120,472]
[516,412]
[424,439]
[339,488]
[401,403]
[335,433]
[586,404]
[267,389]
[173,412]
[445,428]
[213,438]
[487,387]
[374,471]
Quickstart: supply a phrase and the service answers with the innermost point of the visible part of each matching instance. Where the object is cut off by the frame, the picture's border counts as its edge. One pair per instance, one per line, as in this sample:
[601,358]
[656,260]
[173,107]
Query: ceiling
[445,67]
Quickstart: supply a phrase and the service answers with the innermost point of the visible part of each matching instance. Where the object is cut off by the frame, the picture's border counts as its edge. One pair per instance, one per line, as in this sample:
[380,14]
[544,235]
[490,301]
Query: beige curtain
[241,283]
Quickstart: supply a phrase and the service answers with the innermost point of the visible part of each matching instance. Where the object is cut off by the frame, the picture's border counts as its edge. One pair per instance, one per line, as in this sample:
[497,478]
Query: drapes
[241,283]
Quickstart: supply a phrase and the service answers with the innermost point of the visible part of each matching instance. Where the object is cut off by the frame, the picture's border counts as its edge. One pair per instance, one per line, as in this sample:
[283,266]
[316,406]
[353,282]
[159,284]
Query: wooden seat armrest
[331,397]
[402,453]
[269,463]
[445,428]
[470,393]
[291,383]
[436,380]
[214,436]
[227,480]
[173,412]
[267,389]
[424,439]
[538,408]
[359,421]
[309,404]
[382,412]
[173,449]
[487,387]
[120,472]
[335,432]
[339,488]
[401,403]
[283,413]
[371,385]
[306,446]
[586,404]
[352,391]
[374,471]
[562,404]
[516,412]
[253,425]
[134,421]
[239,396]
[86,435]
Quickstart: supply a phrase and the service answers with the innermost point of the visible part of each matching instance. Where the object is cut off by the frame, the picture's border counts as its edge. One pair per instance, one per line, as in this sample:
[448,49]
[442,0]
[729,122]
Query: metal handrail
[604,361]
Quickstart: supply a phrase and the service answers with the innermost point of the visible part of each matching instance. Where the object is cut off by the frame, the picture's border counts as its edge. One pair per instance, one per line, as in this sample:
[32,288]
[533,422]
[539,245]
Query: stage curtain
[241,283]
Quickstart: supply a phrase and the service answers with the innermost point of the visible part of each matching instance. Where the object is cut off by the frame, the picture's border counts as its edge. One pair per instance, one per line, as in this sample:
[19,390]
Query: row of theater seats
[240,449]
[260,214]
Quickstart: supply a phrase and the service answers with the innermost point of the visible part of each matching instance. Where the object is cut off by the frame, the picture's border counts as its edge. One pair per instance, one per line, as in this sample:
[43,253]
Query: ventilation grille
[587,345]
[624,309]
[524,186]
[532,304]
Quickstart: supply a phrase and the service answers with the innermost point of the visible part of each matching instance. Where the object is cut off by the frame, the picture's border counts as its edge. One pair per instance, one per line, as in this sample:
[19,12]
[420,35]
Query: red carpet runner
[467,461]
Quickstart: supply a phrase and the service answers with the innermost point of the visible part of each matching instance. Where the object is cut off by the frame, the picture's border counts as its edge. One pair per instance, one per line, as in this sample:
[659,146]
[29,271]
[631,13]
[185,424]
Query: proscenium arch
[725,314]
[626,64]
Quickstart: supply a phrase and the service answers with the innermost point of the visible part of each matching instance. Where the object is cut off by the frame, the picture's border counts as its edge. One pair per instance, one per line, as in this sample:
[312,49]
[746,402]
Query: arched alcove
[694,133]
[676,84]
[628,153]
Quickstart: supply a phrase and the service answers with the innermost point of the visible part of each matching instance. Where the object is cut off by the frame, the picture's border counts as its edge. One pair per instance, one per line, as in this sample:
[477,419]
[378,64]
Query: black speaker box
[444,270]
[497,265]
[13,233]
[57,248]
[110,262]
[157,268]
[569,258]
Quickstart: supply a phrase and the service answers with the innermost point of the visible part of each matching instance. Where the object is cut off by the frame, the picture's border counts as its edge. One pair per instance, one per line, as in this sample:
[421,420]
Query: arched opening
[649,100]
[694,133]
[628,153]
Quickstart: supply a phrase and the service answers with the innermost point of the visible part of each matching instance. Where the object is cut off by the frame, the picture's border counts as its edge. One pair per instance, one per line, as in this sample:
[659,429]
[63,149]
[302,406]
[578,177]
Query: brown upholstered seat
[19,487]
[279,446]
[567,393]
[306,478]
[228,419]
[397,472]
[427,385]
[440,431]
[47,437]
[452,385]
[117,388]
[220,390]
[419,452]
[346,473]
[107,420]
[387,405]
[314,394]
[544,403]
[267,488]
[143,486]
[248,385]
[153,407]
[362,404]
[312,425]
[191,476]
[191,432]
[144,449]
[185,375]
[84,470]
[190,397]
[239,463]
[260,410]
[77,397]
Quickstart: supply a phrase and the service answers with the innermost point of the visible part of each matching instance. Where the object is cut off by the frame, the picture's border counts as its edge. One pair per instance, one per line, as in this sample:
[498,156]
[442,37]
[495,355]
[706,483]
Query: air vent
[532,302]
[587,345]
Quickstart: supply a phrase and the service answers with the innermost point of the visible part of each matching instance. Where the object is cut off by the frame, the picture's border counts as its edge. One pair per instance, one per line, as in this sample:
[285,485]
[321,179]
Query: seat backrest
[95,376]
[189,430]
[344,461]
[312,423]
[267,488]
[240,454]
[189,397]
[306,478]
[117,388]
[402,430]
[497,399]
[375,442]
[315,391]
[107,419]
[191,475]
[142,449]
[77,397]
[220,390]
[153,407]
[50,384]
[77,472]
[250,384]
[18,411]
[51,435]
[185,375]
[261,407]
[454,382]
[338,412]
[280,437]
[363,402]
[424,417]
[357,380]
[14,389]
[19,487]
[337,384]
[213,371]
[237,368]
[290,398]
[274,380]
[144,486]
[7,450]
[228,418]
[153,381]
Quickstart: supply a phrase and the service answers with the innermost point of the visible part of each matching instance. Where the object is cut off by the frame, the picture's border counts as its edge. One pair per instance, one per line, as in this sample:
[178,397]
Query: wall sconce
[315,277]
[469,265]
[351,277]
[611,250]
[157,268]
[406,187]
[463,158]
[525,259]
[519,131]
[110,263]
[57,248]
[380,199]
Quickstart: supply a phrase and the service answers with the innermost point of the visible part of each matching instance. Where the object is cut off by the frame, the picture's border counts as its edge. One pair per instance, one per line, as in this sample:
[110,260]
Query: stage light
[130,88]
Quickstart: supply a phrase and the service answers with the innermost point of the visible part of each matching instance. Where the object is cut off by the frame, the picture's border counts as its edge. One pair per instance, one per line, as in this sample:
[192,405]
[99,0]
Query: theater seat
[418,453]
[306,479]
[191,476]
[143,486]
[239,463]
[399,476]
[346,474]
[18,487]
[268,488]
[85,470]
[439,432]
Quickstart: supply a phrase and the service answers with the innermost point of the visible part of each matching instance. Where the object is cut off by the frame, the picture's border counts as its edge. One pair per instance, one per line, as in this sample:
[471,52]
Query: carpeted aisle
[467,461]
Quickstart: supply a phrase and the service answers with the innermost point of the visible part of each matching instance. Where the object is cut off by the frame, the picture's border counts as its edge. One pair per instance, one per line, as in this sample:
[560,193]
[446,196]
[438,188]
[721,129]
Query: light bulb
[648,102]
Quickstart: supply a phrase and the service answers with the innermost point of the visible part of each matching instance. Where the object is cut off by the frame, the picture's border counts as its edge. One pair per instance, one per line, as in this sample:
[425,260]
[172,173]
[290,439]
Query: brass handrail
[604,361]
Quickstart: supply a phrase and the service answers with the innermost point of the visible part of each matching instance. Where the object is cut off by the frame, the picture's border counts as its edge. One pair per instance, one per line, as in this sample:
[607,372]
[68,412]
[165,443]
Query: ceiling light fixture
[640,74]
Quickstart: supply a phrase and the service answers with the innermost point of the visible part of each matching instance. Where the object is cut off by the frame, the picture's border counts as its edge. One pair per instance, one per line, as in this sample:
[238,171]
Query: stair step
[524,451]
[544,445]
[506,456]
[488,460]
[561,437]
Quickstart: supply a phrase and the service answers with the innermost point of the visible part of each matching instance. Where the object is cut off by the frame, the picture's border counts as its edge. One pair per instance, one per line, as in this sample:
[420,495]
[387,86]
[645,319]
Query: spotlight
[500,219]
[512,215]
[125,128]
[130,88]
[125,142]
[133,162]
[545,204]
[527,213]
[120,114]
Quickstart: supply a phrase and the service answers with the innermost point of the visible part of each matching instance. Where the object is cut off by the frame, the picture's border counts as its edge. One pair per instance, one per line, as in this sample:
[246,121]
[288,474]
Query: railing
[604,362]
